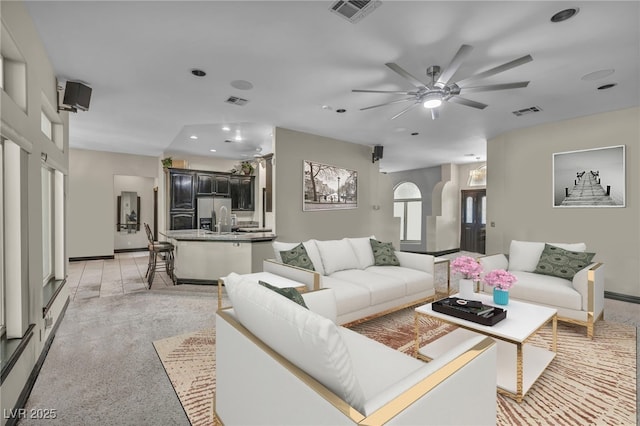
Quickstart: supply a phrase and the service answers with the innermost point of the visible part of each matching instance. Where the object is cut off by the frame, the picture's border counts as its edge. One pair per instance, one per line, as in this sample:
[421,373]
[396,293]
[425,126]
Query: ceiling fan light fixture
[432,100]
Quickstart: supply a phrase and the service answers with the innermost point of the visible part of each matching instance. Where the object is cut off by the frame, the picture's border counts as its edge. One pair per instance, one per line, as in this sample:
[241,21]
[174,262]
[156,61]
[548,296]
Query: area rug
[589,382]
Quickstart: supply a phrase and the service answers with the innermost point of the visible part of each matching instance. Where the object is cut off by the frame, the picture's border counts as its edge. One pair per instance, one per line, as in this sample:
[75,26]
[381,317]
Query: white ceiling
[299,56]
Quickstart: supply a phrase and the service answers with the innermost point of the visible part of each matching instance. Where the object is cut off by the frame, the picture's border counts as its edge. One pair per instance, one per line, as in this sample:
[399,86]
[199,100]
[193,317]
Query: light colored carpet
[589,382]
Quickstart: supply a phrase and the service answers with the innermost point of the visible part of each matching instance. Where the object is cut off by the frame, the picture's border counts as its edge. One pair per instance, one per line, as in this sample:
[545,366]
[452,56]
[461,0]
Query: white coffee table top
[523,319]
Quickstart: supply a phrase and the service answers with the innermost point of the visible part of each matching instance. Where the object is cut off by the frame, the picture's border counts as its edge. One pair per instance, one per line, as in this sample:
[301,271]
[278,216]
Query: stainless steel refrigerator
[213,211]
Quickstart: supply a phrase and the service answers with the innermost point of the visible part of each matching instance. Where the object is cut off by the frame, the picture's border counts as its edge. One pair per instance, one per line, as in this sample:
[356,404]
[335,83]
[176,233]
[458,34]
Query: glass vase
[500,296]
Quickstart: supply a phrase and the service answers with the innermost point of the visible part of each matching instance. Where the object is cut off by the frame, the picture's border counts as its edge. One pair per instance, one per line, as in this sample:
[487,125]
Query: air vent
[354,10]
[526,111]
[236,101]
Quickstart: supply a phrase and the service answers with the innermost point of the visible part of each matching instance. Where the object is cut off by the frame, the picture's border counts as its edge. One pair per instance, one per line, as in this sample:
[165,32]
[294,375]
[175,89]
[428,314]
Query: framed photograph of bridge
[328,187]
[589,178]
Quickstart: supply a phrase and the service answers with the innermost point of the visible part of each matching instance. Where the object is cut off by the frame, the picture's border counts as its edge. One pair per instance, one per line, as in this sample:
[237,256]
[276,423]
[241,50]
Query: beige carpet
[589,382]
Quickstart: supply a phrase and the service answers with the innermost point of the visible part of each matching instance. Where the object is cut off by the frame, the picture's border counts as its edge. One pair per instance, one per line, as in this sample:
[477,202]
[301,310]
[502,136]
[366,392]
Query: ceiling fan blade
[435,113]
[490,87]
[453,66]
[405,110]
[467,102]
[496,70]
[387,103]
[399,92]
[413,80]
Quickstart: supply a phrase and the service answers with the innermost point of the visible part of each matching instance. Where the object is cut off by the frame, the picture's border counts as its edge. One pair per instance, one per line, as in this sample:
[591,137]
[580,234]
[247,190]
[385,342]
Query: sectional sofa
[366,282]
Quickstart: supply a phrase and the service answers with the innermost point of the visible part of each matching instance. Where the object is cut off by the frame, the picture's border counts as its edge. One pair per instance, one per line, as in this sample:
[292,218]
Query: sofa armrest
[322,302]
[311,279]
[589,282]
[421,262]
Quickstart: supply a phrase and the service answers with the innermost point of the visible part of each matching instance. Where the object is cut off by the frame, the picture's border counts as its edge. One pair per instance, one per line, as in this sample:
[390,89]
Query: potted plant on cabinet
[167,162]
[247,168]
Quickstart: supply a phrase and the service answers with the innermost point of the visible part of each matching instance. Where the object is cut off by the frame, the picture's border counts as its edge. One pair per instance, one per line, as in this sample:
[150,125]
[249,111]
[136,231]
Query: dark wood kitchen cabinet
[209,184]
[182,190]
[242,193]
[182,220]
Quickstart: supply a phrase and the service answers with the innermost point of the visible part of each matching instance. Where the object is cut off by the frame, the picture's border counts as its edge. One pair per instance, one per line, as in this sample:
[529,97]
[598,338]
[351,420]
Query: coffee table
[520,363]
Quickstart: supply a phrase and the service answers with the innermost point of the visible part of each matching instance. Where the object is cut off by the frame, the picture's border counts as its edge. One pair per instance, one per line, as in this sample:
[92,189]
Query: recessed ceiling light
[327,107]
[198,73]
[597,75]
[399,129]
[607,86]
[469,155]
[258,149]
[226,128]
[238,138]
[565,14]
[194,137]
[241,84]
[341,110]
[212,150]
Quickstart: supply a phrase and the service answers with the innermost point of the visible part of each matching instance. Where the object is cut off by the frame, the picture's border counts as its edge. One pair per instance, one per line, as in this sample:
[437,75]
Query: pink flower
[500,279]
[467,266]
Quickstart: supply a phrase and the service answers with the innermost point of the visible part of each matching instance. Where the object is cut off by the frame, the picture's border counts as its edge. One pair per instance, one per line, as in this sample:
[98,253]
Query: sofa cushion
[337,255]
[562,263]
[289,292]
[349,297]
[524,255]
[544,289]
[384,253]
[297,256]
[382,288]
[414,280]
[363,250]
[309,246]
[308,340]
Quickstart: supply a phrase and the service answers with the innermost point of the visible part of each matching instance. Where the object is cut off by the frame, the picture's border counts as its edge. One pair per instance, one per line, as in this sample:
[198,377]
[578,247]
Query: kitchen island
[201,256]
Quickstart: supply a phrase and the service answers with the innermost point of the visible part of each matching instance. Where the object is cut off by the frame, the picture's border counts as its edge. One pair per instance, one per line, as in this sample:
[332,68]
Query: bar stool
[156,249]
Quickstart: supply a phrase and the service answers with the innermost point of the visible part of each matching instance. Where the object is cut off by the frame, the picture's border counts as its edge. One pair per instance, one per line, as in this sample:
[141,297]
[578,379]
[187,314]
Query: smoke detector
[354,10]
[236,101]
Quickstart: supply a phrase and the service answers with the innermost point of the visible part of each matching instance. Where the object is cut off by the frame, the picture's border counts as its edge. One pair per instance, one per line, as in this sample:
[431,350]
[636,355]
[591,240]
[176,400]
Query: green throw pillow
[562,263]
[288,292]
[383,253]
[297,256]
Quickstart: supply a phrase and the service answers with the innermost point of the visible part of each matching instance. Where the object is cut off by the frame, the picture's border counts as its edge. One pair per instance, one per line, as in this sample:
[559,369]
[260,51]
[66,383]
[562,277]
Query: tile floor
[103,278]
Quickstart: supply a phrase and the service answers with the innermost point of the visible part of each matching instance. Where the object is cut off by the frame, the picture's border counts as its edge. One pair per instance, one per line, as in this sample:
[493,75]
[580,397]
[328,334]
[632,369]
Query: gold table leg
[519,374]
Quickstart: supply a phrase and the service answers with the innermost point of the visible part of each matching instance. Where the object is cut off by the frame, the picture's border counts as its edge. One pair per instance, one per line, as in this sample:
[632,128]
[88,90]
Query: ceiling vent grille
[236,101]
[354,10]
[526,111]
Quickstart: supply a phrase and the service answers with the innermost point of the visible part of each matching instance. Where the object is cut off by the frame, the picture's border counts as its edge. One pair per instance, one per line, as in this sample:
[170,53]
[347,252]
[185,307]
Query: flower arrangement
[467,266]
[500,278]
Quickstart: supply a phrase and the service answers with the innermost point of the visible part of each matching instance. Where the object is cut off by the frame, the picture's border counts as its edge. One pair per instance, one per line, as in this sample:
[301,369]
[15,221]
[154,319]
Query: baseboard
[194,281]
[15,355]
[80,259]
[621,297]
[28,387]
[130,250]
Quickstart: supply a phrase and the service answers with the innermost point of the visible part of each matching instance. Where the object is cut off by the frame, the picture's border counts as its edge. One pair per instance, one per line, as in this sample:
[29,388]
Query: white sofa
[361,288]
[279,363]
[579,300]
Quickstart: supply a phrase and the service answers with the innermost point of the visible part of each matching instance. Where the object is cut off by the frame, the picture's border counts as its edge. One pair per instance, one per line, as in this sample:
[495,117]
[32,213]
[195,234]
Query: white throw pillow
[363,250]
[308,340]
[524,255]
[309,246]
[337,255]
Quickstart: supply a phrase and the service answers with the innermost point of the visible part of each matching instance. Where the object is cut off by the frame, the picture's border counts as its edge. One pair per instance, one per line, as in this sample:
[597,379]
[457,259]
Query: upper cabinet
[222,185]
[182,190]
[212,184]
[242,193]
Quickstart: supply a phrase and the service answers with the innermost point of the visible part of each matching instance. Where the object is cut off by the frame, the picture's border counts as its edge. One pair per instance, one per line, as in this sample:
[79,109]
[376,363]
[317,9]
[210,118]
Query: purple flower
[467,266]
[500,279]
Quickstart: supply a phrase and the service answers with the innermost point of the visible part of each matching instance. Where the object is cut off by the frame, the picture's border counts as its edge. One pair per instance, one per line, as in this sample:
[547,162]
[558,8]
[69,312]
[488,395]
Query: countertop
[202,235]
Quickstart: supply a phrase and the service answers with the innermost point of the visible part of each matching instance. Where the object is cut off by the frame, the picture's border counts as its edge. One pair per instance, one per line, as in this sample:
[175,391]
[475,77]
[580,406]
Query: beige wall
[92,201]
[374,189]
[519,193]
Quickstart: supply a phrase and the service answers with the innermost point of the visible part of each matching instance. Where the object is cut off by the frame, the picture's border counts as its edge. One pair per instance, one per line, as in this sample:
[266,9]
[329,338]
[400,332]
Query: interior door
[473,220]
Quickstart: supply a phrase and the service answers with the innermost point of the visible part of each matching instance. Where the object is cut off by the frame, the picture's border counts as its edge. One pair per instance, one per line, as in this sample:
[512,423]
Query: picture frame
[327,187]
[589,178]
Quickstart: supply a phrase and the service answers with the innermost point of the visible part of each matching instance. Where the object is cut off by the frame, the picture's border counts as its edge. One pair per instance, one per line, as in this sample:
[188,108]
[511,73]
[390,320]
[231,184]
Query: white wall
[294,224]
[519,193]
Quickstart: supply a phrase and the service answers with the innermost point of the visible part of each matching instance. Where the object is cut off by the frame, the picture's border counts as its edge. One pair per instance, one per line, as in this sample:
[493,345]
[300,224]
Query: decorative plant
[247,167]
[167,162]
[500,278]
[467,266]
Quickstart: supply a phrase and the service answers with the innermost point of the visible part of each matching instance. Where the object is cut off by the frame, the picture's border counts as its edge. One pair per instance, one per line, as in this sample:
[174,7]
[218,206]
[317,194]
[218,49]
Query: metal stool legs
[156,250]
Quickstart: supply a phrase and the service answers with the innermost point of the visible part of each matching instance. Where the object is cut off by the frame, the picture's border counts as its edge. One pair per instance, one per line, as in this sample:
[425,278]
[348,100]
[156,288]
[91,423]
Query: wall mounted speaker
[77,95]
[377,153]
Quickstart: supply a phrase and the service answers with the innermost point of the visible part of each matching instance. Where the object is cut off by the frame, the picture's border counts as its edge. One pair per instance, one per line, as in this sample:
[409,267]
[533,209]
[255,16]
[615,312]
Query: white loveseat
[361,288]
[279,363]
[579,300]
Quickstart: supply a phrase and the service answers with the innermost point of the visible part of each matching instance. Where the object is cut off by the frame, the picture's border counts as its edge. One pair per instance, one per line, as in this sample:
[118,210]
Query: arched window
[407,205]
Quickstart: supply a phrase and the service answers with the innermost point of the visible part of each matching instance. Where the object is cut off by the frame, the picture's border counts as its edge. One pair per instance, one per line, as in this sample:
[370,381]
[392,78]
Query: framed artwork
[589,178]
[328,187]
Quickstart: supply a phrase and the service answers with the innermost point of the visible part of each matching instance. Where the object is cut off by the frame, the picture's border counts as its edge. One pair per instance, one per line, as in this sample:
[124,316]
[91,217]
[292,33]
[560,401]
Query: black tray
[446,306]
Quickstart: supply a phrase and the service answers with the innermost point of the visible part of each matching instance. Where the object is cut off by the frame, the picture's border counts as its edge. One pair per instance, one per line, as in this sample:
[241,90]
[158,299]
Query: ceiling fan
[433,94]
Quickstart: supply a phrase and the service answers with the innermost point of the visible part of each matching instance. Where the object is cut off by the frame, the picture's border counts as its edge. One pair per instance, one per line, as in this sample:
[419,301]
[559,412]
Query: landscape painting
[328,187]
[589,178]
